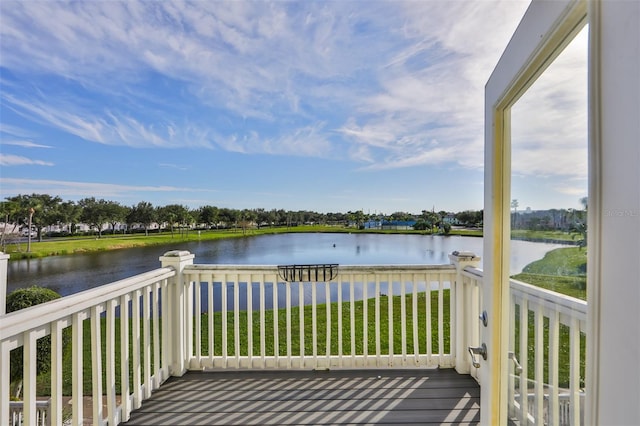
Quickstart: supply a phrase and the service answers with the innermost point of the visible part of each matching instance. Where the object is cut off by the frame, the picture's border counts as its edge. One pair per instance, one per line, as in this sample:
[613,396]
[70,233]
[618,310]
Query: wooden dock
[336,397]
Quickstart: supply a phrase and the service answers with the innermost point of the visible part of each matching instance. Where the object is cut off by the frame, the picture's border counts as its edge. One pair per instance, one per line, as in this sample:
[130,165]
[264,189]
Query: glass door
[535,189]
[548,217]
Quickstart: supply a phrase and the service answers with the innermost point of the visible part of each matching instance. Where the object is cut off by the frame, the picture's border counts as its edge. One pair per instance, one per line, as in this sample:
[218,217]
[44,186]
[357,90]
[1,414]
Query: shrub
[21,299]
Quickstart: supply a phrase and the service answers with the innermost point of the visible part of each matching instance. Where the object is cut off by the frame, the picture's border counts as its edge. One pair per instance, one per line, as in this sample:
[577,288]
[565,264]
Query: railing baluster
[574,371]
[197,349]
[440,318]
[146,342]
[155,302]
[125,388]
[250,320]
[352,319]
[288,313]
[377,321]
[523,357]
[29,377]
[56,373]
[301,317]
[163,307]
[225,343]
[210,318]
[539,361]
[554,346]
[110,351]
[428,336]
[314,323]
[511,379]
[236,318]
[340,348]
[263,343]
[365,318]
[390,316]
[403,316]
[76,368]
[327,298]
[276,336]
[135,348]
[414,319]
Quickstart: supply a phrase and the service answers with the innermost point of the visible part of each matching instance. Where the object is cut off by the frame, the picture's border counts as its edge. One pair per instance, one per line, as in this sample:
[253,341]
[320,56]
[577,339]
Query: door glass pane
[549,206]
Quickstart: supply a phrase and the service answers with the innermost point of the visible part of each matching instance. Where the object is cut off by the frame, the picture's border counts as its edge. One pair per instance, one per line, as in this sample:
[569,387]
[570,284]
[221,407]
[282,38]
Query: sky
[328,106]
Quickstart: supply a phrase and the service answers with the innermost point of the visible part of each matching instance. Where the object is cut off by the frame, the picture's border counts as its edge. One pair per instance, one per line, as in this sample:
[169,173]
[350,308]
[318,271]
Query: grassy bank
[67,245]
[562,270]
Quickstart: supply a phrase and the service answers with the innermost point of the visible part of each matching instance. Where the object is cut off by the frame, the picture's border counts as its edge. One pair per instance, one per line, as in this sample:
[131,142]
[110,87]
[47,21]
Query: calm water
[72,274]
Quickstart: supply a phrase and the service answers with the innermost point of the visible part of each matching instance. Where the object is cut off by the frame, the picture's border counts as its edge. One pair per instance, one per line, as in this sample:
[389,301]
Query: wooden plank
[340,397]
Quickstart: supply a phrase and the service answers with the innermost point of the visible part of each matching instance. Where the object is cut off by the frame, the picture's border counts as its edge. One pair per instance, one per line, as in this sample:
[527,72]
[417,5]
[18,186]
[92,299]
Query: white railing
[129,307]
[368,316]
[543,322]
[182,316]
[42,417]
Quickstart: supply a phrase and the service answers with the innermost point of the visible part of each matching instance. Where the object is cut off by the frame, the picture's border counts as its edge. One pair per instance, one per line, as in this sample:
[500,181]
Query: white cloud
[82,189]
[17,160]
[383,81]
[26,144]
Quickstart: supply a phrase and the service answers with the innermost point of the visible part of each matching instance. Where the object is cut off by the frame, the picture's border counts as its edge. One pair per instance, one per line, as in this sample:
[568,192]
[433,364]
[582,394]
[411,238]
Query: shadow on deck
[336,397]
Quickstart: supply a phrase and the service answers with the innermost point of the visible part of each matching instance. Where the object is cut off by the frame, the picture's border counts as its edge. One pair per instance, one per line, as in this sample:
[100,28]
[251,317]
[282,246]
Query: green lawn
[43,379]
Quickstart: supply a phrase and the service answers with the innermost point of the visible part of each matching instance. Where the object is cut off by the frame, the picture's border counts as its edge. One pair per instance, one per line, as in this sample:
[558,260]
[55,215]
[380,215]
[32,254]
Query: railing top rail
[549,297]
[33,317]
[473,272]
[342,269]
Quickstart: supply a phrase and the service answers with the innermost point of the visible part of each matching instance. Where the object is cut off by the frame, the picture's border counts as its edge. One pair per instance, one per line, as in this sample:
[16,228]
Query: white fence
[141,330]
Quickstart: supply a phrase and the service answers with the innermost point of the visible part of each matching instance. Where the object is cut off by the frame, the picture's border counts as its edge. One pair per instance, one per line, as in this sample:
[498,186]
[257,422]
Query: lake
[74,273]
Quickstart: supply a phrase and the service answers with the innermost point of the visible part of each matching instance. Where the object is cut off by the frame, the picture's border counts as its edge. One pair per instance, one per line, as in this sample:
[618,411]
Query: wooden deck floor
[336,397]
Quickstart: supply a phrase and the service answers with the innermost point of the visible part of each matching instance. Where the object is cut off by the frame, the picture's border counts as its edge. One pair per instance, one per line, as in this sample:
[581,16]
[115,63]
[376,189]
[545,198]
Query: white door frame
[546,28]
[613,273]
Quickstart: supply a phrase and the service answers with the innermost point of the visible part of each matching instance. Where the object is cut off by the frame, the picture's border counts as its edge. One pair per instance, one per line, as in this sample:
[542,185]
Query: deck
[336,397]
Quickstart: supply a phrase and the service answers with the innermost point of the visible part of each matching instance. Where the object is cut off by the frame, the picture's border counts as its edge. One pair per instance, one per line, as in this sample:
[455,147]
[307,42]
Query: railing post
[4,260]
[177,294]
[462,320]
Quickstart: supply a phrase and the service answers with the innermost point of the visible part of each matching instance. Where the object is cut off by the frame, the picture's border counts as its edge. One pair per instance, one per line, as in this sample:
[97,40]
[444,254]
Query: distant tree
[116,213]
[514,206]
[144,214]
[357,217]
[11,213]
[70,214]
[95,213]
[209,215]
[38,211]
[579,227]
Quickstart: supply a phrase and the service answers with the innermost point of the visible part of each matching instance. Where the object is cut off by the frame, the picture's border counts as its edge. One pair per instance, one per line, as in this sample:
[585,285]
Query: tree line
[41,211]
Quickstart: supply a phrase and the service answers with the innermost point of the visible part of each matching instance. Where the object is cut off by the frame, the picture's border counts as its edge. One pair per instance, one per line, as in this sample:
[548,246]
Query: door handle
[518,367]
[477,350]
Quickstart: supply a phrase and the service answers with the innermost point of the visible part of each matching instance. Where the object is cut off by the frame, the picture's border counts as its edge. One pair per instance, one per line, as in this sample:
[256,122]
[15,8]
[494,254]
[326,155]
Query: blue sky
[301,105]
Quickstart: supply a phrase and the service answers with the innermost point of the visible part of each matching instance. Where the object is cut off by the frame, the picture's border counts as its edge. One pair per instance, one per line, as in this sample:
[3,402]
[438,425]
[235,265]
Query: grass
[561,270]
[530,235]
[44,379]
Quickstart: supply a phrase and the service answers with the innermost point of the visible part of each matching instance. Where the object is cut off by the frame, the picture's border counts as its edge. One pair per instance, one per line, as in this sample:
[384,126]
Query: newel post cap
[464,258]
[177,259]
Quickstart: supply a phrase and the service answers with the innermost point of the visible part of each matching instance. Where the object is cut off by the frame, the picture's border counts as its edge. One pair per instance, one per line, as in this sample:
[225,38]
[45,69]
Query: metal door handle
[518,367]
[477,350]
